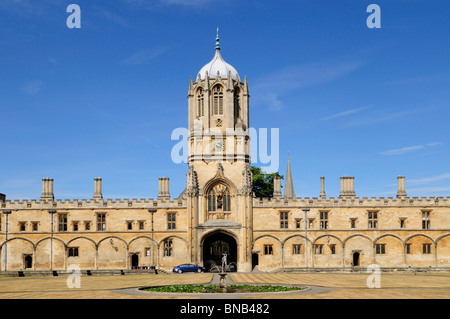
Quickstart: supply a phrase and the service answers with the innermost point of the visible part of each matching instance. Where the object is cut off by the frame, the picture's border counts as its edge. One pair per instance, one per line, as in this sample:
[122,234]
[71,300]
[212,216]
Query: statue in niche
[219,202]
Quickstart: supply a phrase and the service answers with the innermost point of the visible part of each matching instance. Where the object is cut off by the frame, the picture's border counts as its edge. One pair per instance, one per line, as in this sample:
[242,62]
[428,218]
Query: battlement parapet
[352,202]
[92,203]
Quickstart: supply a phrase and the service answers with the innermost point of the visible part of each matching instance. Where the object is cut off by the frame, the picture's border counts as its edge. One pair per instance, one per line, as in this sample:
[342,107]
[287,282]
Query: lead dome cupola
[217,65]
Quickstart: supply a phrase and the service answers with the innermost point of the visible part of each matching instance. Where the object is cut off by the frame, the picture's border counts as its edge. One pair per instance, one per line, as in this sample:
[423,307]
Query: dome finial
[217,39]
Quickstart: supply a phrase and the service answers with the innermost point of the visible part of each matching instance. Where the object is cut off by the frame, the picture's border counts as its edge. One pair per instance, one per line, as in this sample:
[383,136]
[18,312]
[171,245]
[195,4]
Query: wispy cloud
[152,3]
[269,89]
[189,3]
[144,56]
[42,8]
[344,113]
[16,5]
[407,149]
[418,79]
[402,150]
[33,87]
[426,180]
[382,116]
[17,183]
[430,191]
[305,75]
[434,144]
[373,116]
[115,18]
[274,103]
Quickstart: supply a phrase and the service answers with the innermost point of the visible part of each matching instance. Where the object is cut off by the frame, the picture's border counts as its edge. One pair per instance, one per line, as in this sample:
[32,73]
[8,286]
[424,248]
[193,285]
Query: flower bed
[217,289]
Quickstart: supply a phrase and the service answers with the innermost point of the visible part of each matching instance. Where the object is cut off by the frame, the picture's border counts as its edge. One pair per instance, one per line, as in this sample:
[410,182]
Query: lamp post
[306,210]
[6,212]
[51,212]
[152,211]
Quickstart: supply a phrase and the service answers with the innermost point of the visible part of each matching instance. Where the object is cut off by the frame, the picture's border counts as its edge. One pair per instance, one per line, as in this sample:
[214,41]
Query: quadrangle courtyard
[320,286]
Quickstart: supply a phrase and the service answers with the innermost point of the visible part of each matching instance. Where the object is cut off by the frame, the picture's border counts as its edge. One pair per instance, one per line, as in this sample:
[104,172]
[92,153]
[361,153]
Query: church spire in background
[289,186]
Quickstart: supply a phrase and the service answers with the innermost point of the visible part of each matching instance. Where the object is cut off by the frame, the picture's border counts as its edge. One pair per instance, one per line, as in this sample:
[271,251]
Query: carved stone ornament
[192,182]
[219,169]
[247,183]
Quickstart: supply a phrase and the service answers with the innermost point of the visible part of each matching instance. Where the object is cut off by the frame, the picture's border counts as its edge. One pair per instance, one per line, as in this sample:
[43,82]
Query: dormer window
[218,100]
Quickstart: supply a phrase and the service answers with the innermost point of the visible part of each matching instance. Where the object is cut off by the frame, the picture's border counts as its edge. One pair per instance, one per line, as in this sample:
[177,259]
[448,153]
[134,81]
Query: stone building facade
[217,212]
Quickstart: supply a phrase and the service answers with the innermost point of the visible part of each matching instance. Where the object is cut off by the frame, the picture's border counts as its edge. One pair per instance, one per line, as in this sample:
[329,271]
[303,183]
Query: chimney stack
[98,188]
[322,188]
[401,192]
[47,189]
[277,187]
[347,187]
[164,188]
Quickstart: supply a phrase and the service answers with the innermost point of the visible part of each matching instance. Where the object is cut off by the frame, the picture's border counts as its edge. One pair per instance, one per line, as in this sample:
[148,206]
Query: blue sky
[104,99]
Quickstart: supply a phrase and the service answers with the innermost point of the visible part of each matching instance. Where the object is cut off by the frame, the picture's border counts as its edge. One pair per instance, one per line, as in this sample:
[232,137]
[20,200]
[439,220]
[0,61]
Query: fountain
[222,287]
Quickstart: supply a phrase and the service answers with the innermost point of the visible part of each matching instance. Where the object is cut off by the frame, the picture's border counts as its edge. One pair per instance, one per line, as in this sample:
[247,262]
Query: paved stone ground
[320,286]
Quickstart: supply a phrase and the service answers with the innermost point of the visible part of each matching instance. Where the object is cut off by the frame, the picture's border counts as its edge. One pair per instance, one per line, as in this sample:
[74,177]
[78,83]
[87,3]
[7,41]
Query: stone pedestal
[222,283]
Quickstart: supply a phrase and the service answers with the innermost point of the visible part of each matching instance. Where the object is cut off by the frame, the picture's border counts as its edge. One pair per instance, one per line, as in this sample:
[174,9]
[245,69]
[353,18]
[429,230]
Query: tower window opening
[200,103]
[218,101]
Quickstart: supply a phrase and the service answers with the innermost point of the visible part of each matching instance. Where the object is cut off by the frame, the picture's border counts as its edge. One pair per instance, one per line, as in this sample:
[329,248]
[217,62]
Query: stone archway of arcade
[111,252]
[272,252]
[329,251]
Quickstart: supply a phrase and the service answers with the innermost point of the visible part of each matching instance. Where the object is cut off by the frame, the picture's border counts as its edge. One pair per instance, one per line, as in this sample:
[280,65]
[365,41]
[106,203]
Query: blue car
[188,267]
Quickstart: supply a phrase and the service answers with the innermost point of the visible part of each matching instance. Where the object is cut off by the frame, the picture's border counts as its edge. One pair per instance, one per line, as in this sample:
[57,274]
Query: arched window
[212,201]
[226,201]
[218,100]
[200,103]
[219,199]
[168,248]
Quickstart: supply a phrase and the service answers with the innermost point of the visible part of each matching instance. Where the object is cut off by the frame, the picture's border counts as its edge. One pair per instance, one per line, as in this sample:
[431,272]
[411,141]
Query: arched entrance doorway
[215,246]
[255,260]
[134,261]
[28,261]
[356,259]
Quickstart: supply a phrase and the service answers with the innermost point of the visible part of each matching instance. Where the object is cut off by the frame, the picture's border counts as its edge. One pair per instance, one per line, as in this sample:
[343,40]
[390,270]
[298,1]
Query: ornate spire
[289,186]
